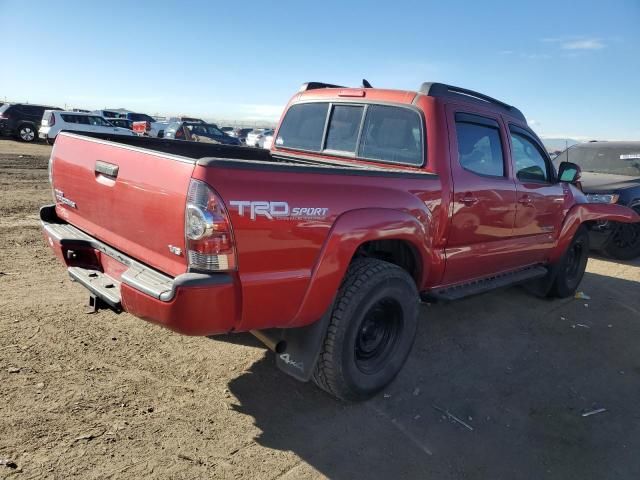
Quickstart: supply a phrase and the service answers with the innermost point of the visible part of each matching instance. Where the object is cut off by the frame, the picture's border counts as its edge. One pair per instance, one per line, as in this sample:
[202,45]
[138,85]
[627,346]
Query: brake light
[208,236]
[52,119]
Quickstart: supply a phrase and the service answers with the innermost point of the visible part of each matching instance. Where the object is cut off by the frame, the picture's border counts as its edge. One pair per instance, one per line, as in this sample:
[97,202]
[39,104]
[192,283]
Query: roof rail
[442,90]
[317,85]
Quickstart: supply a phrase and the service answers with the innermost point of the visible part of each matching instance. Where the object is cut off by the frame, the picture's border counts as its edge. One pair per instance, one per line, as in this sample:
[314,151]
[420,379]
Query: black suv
[22,120]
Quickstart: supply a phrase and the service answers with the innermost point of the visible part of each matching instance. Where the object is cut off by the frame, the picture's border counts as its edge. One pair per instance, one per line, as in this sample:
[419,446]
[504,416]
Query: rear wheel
[27,132]
[625,241]
[572,266]
[371,331]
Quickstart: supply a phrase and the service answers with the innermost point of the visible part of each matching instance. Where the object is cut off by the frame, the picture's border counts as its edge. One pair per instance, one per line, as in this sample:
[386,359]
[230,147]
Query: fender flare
[587,212]
[350,230]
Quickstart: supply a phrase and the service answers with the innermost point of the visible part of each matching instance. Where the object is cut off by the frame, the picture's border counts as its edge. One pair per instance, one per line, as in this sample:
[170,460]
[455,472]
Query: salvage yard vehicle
[146,125]
[255,138]
[610,174]
[198,132]
[121,122]
[22,120]
[369,201]
[54,121]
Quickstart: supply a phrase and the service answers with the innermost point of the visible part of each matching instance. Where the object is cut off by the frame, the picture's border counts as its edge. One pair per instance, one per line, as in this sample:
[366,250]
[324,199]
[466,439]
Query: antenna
[366,84]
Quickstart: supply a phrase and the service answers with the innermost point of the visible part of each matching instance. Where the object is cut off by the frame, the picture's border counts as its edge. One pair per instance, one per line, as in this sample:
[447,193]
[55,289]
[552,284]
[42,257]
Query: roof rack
[442,90]
[317,85]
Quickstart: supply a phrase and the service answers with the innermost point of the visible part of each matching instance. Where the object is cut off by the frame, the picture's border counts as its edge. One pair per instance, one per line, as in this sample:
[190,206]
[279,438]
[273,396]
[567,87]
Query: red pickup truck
[369,201]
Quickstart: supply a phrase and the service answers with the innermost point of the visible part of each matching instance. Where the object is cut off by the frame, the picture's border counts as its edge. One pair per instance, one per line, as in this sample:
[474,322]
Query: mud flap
[303,346]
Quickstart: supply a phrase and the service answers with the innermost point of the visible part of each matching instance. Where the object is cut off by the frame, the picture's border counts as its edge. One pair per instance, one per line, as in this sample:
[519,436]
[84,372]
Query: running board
[485,285]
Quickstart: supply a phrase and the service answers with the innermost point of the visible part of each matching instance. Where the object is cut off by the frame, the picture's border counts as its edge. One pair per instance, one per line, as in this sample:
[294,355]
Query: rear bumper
[191,303]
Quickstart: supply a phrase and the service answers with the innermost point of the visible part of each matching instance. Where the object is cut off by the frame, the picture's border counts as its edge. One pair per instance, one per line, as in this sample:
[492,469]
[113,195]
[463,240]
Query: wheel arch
[376,232]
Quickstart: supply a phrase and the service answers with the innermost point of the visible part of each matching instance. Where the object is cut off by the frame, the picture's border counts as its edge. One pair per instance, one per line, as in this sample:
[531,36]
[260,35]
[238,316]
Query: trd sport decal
[276,210]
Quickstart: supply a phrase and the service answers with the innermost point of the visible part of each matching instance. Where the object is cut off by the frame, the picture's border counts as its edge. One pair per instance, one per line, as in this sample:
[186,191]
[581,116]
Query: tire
[51,141]
[624,243]
[27,133]
[371,330]
[572,266]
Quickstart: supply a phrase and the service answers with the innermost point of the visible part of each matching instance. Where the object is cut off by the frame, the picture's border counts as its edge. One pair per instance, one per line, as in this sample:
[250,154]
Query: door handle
[469,200]
[525,200]
[108,169]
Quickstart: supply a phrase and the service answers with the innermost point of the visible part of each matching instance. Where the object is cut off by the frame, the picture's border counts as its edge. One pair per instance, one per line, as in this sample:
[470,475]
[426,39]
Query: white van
[55,120]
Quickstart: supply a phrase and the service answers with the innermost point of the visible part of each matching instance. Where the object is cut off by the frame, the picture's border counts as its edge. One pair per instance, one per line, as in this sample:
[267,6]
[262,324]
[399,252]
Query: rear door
[484,202]
[540,197]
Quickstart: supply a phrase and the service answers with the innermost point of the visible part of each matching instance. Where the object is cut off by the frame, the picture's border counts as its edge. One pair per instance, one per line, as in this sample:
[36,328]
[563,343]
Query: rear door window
[344,127]
[479,145]
[303,126]
[392,134]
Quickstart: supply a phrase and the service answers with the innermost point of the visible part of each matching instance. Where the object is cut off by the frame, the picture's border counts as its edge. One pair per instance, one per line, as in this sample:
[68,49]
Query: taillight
[209,239]
[52,119]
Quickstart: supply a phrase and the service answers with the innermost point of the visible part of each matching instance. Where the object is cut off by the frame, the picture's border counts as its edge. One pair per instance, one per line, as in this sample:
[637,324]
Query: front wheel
[371,331]
[572,266]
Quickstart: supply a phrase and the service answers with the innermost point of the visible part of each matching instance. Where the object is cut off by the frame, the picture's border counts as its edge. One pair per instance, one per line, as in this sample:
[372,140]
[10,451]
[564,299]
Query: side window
[81,119]
[530,164]
[392,134]
[303,126]
[479,146]
[344,126]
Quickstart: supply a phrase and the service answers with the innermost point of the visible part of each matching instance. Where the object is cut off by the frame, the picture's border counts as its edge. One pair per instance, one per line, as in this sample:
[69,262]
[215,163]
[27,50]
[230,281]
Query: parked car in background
[121,122]
[146,125]
[22,120]
[240,134]
[54,121]
[610,174]
[255,138]
[107,113]
[227,130]
[267,142]
[198,132]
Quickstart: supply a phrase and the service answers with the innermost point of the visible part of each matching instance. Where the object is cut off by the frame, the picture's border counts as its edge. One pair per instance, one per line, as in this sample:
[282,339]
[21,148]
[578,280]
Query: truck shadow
[516,369]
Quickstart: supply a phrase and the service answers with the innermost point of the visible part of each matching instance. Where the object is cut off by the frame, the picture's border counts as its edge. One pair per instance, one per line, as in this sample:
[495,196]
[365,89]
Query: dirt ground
[109,396]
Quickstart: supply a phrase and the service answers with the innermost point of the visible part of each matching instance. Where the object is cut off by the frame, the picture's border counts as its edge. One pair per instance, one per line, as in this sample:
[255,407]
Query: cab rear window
[382,133]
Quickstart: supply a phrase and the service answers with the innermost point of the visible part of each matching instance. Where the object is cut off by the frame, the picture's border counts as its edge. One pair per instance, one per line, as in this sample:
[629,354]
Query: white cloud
[585,44]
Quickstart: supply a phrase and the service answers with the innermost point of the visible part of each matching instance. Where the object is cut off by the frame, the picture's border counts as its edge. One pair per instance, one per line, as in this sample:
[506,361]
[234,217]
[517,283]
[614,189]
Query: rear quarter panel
[278,257]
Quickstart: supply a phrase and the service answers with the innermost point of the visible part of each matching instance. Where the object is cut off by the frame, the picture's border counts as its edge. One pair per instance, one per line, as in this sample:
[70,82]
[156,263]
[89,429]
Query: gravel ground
[109,396]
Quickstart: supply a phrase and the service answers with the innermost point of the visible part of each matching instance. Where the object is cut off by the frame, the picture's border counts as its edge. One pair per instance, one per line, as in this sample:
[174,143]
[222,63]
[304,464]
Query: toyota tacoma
[368,202]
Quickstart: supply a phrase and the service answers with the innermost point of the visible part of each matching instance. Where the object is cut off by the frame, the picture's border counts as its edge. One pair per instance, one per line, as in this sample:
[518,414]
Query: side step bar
[100,285]
[481,286]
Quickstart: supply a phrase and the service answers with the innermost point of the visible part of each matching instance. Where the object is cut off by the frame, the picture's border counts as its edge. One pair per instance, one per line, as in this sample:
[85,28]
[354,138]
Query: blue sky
[572,67]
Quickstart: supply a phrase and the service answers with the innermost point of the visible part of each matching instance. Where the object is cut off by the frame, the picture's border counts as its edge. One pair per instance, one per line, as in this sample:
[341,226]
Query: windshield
[4,107]
[612,159]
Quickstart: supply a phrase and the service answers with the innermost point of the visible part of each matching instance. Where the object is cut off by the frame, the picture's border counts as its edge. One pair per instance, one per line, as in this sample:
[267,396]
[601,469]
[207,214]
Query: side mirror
[569,172]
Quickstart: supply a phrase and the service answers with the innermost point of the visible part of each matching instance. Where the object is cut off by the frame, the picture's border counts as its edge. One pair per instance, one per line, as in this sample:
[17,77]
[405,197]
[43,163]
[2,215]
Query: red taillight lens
[52,119]
[208,235]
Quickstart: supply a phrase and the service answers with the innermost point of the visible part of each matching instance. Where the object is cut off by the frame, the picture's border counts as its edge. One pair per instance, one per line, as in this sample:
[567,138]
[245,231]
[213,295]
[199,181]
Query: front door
[484,200]
[540,197]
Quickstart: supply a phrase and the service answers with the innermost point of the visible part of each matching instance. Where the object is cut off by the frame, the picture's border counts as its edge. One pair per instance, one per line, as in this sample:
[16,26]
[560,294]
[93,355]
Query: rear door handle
[469,199]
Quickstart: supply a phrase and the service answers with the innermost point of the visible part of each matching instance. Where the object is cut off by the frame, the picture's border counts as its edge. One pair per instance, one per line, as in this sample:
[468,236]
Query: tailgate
[131,199]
